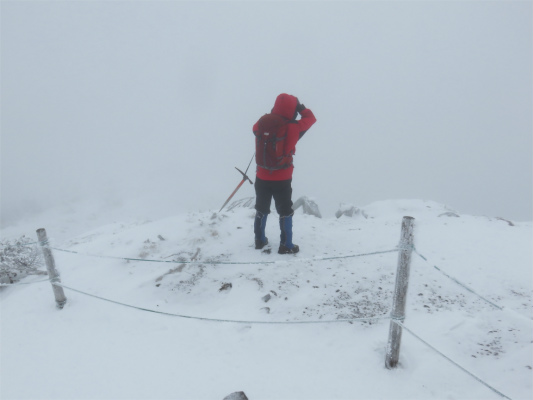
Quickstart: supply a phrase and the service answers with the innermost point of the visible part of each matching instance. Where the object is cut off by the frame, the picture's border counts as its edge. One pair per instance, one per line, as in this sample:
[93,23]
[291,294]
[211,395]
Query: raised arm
[298,128]
[307,120]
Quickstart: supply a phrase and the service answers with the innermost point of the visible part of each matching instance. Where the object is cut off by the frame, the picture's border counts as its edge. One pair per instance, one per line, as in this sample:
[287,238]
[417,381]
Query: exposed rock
[247,202]
[350,211]
[308,205]
[266,298]
[236,396]
[505,220]
[266,310]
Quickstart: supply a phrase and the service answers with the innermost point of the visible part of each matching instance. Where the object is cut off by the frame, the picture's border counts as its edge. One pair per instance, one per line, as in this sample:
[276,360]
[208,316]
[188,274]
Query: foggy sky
[153,102]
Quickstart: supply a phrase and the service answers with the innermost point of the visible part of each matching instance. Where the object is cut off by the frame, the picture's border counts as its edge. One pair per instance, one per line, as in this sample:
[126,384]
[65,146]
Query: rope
[467,288]
[21,244]
[348,256]
[452,361]
[220,262]
[460,283]
[221,320]
[464,286]
[24,283]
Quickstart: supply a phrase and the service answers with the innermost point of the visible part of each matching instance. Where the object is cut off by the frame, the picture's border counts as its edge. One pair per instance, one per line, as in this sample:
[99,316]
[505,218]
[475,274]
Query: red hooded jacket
[285,106]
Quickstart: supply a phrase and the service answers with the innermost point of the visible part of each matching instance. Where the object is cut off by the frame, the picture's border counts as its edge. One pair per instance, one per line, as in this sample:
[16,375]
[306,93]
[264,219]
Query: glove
[300,107]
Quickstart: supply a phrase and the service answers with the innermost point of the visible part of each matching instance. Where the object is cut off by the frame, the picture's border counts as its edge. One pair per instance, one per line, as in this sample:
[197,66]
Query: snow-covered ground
[94,349]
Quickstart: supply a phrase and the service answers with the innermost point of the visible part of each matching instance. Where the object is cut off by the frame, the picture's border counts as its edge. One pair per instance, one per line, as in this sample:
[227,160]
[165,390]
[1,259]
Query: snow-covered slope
[100,350]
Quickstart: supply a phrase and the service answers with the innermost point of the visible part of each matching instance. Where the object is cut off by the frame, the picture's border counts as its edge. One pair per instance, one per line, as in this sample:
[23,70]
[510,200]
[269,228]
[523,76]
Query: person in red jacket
[276,135]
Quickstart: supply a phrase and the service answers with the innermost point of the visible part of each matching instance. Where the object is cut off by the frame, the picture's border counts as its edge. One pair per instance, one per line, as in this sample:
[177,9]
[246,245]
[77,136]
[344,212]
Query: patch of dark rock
[266,298]
[171,271]
[225,287]
[259,282]
[189,283]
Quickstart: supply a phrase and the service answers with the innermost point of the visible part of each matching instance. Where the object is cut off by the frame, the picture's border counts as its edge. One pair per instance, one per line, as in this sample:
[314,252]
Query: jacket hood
[285,106]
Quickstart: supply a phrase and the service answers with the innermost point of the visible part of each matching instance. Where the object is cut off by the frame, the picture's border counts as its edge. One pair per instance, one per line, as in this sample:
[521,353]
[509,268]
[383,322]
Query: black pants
[280,190]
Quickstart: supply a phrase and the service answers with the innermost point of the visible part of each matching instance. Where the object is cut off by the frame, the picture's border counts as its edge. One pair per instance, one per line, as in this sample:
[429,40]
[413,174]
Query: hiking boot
[285,242]
[259,230]
[259,244]
[285,250]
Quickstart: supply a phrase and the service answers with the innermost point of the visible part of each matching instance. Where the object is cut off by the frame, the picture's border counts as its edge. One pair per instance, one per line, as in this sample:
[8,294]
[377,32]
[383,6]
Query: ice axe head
[244,176]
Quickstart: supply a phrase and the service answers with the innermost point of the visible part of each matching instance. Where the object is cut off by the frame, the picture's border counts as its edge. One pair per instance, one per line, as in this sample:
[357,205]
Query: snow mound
[204,264]
[390,209]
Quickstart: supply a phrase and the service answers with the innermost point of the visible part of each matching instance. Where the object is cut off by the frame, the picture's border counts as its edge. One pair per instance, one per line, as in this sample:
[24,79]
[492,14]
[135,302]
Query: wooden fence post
[400,292]
[53,273]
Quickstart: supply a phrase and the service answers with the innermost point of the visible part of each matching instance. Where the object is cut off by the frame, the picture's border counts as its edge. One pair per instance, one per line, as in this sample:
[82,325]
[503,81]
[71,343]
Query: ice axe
[244,178]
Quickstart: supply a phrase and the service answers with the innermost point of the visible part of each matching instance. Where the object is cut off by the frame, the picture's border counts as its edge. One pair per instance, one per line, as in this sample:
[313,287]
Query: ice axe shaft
[231,195]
